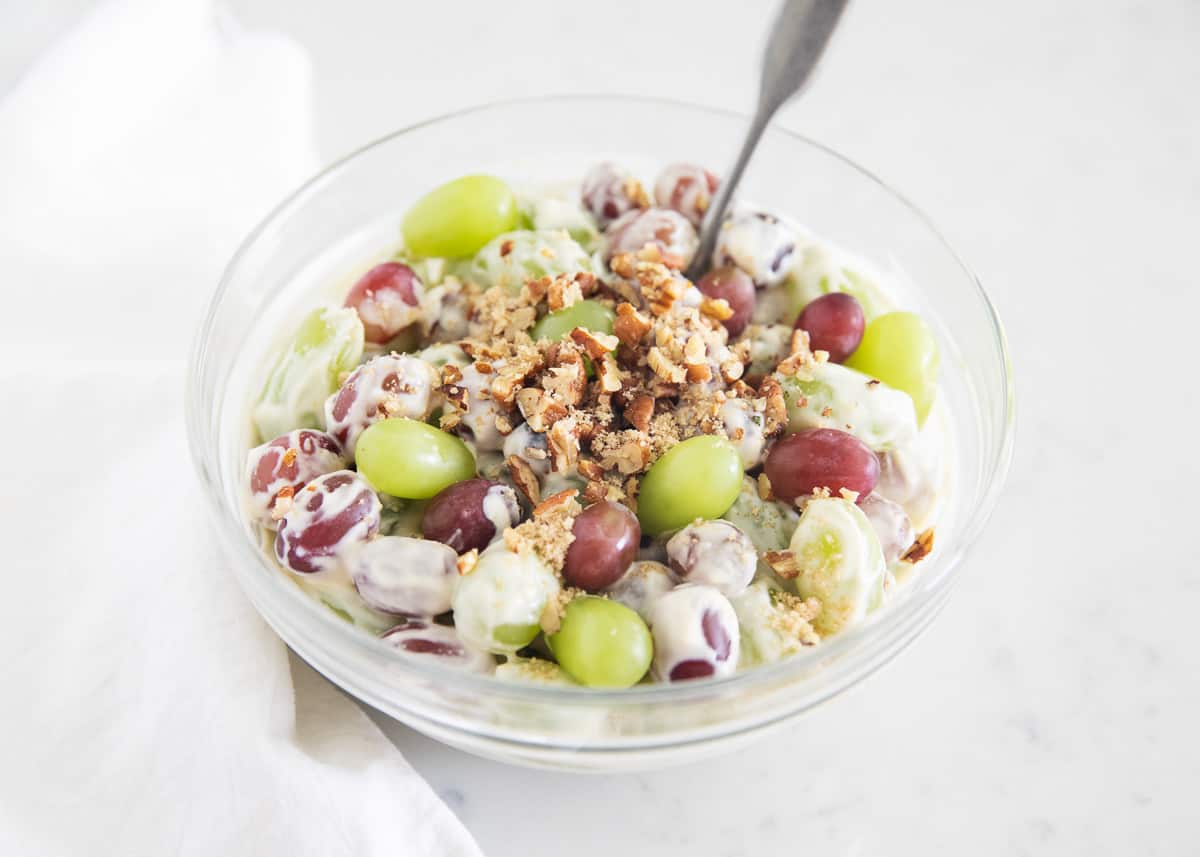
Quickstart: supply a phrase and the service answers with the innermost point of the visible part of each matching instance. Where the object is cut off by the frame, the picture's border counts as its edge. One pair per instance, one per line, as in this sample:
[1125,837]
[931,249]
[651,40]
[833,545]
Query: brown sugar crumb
[793,617]
[664,432]
[783,563]
[289,456]
[548,533]
[524,478]
[921,548]
[467,562]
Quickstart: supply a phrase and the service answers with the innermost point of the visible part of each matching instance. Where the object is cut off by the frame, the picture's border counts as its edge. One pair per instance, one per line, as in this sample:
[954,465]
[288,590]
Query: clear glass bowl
[350,214]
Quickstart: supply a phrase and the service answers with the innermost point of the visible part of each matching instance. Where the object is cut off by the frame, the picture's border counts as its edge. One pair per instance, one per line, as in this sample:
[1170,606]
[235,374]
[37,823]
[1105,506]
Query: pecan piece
[639,411]
[524,478]
[630,325]
[783,563]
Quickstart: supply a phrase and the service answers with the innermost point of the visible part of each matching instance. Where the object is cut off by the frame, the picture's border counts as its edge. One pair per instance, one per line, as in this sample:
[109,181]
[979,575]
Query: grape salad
[526,445]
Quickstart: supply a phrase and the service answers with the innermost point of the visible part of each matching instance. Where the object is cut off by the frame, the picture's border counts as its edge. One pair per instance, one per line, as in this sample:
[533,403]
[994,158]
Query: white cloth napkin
[145,709]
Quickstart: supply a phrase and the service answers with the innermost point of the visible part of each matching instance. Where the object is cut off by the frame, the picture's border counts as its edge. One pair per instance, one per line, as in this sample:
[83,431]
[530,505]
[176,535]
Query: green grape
[328,343]
[697,478]
[533,671]
[841,562]
[401,517]
[899,350]
[548,211]
[831,395]
[767,523]
[498,605]
[590,315]
[411,459]
[511,259]
[340,596]
[602,643]
[442,353]
[767,635]
[822,270]
[459,217]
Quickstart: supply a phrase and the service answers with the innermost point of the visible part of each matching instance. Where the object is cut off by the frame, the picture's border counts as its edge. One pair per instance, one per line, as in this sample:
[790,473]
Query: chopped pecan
[716,308]
[664,367]
[595,344]
[775,412]
[783,563]
[506,247]
[589,469]
[639,411]
[595,491]
[698,373]
[451,374]
[636,193]
[920,548]
[608,373]
[630,325]
[563,442]
[556,502]
[524,478]
[731,370]
[467,562]
[563,292]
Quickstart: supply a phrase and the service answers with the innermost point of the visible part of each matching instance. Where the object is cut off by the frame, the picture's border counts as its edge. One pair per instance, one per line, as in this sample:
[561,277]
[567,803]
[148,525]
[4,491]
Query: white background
[1053,706]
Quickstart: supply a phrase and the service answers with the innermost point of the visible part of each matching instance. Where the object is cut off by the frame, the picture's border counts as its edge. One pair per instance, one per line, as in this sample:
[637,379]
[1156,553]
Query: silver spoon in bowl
[798,38]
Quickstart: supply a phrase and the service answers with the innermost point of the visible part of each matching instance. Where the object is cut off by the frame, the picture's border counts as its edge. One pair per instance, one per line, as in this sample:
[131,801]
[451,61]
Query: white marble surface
[1052,707]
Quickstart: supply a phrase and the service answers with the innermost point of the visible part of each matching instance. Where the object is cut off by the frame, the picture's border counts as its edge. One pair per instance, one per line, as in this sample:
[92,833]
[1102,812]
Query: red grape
[737,289]
[608,191]
[834,323]
[330,515]
[685,188]
[404,576]
[669,230]
[759,244]
[391,385]
[695,633]
[713,552]
[469,514]
[418,637]
[891,524]
[800,463]
[282,467]
[606,542]
[386,298]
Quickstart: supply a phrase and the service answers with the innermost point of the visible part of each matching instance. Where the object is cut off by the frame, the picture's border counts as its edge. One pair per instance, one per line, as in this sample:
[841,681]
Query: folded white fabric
[145,709]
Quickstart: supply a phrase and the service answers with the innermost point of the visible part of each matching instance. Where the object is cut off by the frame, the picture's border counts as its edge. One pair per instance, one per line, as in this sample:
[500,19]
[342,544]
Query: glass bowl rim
[913,615]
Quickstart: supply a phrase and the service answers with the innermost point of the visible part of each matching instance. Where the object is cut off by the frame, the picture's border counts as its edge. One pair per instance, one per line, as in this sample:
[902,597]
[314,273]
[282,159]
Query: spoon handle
[796,43]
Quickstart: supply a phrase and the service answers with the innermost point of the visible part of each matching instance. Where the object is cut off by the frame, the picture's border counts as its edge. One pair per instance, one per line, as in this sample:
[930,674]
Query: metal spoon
[798,39]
